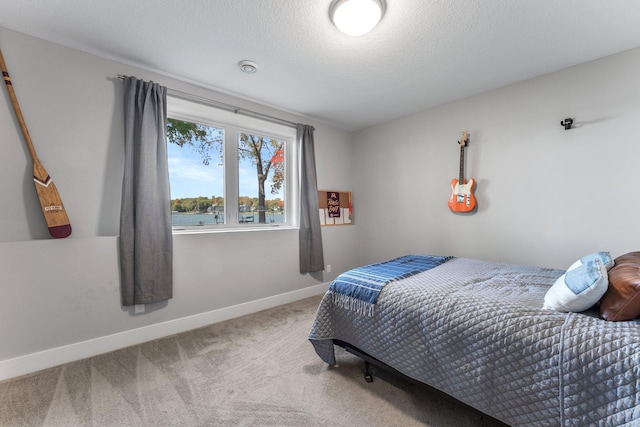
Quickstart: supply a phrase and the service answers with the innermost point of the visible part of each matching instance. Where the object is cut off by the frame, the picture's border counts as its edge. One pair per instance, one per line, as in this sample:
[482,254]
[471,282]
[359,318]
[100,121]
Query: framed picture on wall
[336,207]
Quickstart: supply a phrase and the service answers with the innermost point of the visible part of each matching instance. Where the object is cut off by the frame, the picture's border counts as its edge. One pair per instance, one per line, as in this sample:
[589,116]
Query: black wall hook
[567,123]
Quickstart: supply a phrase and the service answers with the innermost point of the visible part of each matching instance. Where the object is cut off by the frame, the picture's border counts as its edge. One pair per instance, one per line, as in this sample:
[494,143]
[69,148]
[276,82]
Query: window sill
[200,230]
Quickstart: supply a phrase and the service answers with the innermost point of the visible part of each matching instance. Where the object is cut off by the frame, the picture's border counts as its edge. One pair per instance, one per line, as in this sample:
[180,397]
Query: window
[228,171]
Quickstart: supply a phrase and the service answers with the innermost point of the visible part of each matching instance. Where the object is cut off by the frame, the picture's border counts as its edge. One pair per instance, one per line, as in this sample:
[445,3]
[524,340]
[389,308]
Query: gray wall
[546,195]
[56,293]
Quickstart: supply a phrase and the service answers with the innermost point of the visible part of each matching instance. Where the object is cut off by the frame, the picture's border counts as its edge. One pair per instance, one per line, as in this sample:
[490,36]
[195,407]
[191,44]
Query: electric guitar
[462,198]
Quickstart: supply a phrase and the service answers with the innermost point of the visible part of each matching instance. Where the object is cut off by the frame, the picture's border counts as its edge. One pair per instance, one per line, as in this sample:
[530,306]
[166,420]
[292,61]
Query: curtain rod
[223,106]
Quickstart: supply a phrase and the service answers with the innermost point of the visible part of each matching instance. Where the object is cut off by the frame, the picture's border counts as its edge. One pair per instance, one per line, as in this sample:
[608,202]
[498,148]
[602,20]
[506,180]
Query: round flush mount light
[248,67]
[356,17]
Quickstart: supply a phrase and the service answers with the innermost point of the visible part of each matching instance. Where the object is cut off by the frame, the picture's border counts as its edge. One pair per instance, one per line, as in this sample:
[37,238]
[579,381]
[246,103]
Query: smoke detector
[248,67]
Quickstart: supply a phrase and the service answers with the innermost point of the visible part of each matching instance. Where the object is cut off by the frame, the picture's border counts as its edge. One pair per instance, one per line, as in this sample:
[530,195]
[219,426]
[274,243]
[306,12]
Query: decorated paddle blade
[52,208]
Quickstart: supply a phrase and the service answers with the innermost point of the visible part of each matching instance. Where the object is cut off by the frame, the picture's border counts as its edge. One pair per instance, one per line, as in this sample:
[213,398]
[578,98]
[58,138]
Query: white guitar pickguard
[463,189]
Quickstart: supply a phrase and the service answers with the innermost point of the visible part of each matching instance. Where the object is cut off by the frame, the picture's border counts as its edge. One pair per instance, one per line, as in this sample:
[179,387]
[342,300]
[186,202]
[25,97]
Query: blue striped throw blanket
[358,289]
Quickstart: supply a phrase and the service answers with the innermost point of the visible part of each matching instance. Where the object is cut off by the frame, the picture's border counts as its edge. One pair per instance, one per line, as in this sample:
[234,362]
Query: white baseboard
[33,362]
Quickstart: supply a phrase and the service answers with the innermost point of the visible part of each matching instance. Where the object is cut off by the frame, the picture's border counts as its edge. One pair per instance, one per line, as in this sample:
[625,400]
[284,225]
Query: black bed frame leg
[367,373]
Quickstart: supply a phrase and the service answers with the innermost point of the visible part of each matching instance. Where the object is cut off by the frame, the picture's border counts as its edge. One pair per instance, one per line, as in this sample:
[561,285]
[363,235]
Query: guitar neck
[461,176]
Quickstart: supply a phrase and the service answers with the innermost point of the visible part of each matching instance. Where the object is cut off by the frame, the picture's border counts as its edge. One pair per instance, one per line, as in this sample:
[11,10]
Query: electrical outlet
[138,308]
[328,268]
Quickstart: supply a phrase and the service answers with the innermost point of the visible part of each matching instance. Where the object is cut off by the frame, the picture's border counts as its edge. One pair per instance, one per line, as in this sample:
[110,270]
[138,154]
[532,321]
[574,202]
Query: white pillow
[579,288]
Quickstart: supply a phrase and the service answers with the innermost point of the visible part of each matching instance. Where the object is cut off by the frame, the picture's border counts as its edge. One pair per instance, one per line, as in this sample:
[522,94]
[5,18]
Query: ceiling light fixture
[248,67]
[356,17]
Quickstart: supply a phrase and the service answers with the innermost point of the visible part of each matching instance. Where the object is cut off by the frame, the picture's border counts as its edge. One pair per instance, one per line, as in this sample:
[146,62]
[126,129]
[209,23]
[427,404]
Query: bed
[513,341]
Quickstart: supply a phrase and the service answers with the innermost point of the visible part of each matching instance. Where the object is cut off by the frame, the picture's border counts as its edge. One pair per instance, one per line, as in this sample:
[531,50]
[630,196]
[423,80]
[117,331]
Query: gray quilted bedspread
[477,331]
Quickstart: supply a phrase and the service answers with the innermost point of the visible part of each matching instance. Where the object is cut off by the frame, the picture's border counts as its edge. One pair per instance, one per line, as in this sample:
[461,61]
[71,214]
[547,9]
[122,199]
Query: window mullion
[231,175]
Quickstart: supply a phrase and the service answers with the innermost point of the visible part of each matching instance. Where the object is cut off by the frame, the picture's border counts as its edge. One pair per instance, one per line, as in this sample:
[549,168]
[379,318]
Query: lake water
[210,219]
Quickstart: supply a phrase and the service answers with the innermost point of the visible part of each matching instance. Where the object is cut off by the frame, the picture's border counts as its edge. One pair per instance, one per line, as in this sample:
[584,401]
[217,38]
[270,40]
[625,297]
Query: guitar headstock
[464,141]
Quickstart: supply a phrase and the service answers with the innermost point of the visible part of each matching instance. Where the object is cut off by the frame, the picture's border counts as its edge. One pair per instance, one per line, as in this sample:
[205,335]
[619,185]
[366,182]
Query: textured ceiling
[423,53]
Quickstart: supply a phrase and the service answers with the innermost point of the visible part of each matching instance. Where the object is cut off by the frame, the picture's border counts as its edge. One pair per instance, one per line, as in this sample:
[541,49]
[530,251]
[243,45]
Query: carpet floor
[256,370]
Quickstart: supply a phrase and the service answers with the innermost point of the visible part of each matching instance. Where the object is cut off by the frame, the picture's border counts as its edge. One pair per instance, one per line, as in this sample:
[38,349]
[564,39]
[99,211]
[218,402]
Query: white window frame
[232,123]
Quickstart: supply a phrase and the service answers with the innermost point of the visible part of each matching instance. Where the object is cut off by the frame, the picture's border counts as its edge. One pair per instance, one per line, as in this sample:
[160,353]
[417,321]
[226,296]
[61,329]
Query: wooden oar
[52,208]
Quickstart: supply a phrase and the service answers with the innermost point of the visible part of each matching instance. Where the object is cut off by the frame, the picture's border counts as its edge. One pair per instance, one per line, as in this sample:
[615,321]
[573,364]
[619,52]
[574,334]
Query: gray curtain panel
[311,255]
[146,242]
